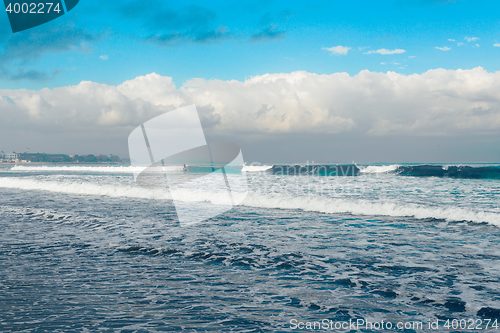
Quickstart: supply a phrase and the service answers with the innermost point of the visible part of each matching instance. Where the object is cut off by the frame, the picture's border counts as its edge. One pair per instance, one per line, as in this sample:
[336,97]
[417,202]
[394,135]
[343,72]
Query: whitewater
[377,191]
[84,248]
[311,202]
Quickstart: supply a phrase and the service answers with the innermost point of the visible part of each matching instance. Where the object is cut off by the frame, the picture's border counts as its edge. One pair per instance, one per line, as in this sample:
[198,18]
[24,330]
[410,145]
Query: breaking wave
[364,207]
[443,171]
[258,200]
[424,170]
[378,168]
[256,168]
[451,171]
[83,188]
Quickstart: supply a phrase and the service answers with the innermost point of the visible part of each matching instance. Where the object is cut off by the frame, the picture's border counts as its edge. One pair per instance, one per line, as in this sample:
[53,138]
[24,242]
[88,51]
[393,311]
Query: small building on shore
[13,157]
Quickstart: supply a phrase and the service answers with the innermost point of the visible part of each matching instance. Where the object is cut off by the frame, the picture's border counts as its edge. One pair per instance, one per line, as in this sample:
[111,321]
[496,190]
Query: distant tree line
[62,158]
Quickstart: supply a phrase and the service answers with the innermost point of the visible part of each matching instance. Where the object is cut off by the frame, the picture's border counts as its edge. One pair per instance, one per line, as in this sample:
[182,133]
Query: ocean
[311,248]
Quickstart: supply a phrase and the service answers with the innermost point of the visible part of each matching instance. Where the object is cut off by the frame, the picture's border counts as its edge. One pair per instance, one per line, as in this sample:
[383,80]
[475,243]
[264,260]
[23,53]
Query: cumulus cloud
[451,40]
[496,45]
[337,49]
[438,102]
[385,51]
[86,107]
[445,48]
[104,57]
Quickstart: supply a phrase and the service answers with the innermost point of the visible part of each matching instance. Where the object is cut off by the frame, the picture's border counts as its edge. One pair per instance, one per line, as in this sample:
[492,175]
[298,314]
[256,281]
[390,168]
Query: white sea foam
[363,207]
[307,203]
[256,168]
[84,188]
[103,169]
[377,168]
[185,195]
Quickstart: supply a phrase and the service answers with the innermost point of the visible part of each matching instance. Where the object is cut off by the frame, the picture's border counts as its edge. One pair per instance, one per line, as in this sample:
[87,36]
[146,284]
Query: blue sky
[111,43]
[369,81]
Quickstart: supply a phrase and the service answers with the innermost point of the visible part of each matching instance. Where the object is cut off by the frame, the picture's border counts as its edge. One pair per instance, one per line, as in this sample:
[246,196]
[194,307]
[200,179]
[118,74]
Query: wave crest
[258,200]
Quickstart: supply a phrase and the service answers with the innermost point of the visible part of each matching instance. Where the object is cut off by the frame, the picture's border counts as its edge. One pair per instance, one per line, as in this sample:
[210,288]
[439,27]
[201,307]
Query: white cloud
[411,57]
[445,48]
[437,102]
[385,51]
[155,89]
[460,44]
[496,45]
[451,40]
[477,45]
[337,49]
[471,39]
[104,57]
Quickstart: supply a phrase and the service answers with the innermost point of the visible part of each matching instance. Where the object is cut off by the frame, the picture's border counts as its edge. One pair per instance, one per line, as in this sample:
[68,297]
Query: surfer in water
[184,168]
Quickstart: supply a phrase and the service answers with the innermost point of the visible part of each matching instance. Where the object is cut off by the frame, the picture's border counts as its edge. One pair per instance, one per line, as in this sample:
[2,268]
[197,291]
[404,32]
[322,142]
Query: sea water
[83,249]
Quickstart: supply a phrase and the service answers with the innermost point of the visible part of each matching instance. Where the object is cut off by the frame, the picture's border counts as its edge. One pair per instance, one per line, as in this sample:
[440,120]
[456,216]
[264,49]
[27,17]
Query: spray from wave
[377,168]
[256,168]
